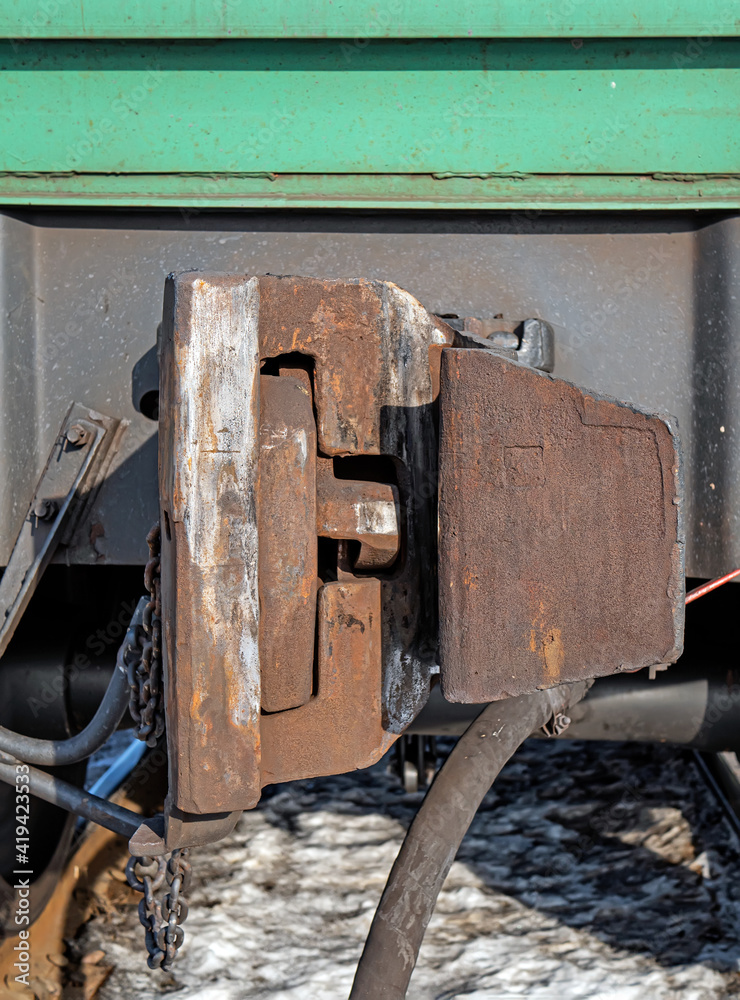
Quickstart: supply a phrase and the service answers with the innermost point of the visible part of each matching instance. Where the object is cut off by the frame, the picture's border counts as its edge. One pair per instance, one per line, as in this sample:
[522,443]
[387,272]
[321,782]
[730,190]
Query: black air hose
[435,835]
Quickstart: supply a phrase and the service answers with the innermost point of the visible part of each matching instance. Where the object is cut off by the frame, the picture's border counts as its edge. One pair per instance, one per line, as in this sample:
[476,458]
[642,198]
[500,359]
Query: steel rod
[707,588]
[76,800]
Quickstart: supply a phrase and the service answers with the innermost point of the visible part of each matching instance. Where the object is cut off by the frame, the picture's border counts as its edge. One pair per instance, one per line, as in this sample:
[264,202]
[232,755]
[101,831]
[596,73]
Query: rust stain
[554,655]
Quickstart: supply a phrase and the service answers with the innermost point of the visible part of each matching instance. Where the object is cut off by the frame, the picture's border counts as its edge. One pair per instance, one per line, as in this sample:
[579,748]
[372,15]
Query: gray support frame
[645,309]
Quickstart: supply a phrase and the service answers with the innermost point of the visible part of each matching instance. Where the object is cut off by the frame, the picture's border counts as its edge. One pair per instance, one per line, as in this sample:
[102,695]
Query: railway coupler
[359,500]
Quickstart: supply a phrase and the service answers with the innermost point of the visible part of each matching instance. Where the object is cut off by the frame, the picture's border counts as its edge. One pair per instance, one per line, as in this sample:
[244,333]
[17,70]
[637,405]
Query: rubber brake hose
[434,836]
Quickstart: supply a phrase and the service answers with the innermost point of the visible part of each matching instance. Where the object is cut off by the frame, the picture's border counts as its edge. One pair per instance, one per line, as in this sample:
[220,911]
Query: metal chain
[162,920]
[143,655]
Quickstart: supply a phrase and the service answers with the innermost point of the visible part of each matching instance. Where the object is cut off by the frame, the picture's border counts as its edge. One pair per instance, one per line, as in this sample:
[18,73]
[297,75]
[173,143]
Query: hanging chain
[162,920]
[142,657]
[142,654]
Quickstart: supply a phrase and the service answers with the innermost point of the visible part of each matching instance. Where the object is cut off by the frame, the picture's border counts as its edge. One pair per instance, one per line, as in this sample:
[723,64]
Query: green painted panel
[466,107]
[358,18]
[193,193]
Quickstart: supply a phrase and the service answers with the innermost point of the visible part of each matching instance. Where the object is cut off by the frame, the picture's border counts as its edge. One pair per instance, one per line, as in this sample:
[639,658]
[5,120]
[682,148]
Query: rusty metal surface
[209,445]
[561,546]
[559,551]
[287,542]
[341,728]
[373,348]
[368,513]
[349,372]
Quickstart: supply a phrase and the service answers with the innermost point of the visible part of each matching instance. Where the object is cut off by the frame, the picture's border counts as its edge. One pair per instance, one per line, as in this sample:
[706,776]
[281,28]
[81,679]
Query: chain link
[143,654]
[161,920]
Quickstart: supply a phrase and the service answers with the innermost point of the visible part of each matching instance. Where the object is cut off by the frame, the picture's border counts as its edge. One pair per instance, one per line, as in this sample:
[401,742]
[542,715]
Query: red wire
[712,585]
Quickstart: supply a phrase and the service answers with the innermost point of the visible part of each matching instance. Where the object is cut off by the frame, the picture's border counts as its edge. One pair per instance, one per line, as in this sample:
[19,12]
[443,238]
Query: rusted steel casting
[561,542]
[307,568]
[435,835]
[279,664]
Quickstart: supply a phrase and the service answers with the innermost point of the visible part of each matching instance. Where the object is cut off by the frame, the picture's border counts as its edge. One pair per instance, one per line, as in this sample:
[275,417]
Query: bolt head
[44,509]
[77,435]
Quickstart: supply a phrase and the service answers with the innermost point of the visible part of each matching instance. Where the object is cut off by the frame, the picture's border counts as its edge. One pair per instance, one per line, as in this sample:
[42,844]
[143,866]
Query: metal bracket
[530,342]
[66,488]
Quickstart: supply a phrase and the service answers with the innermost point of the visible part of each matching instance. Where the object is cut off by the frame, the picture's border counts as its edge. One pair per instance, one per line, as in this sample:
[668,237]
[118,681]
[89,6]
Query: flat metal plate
[286,519]
[341,728]
[561,546]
